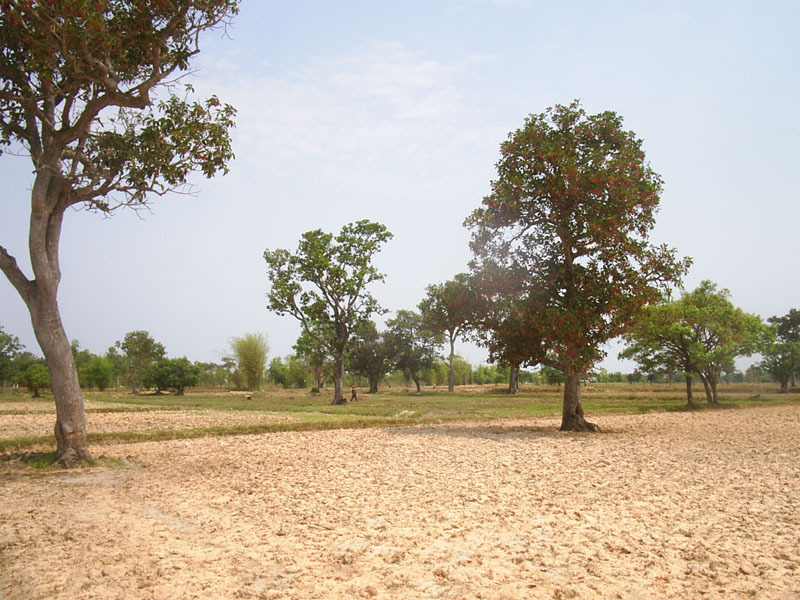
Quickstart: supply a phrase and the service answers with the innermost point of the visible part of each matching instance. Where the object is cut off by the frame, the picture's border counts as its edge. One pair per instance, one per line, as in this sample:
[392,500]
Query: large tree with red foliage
[568,220]
[78,80]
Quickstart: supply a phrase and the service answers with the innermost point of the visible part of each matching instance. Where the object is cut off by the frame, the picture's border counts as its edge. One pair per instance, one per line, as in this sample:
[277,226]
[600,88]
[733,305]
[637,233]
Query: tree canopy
[369,355]
[449,308]
[567,221]
[414,344]
[785,355]
[88,92]
[314,354]
[174,374]
[9,348]
[34,376]
[698,335]
[140,352]
[324,286]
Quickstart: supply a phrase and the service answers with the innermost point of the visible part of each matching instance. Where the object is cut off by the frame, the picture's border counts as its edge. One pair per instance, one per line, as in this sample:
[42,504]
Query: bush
[97,373]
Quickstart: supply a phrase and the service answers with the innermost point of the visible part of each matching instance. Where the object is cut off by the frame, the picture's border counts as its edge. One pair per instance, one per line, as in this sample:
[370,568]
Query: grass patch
[40,461]
[390,408]
[36,460]
[20,443]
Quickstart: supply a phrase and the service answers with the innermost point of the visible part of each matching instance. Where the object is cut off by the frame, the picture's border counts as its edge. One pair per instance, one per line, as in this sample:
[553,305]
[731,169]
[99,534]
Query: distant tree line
[407,355]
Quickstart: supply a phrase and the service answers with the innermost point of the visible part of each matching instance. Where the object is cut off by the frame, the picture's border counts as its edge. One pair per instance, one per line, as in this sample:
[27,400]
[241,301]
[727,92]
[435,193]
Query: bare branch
[8,264]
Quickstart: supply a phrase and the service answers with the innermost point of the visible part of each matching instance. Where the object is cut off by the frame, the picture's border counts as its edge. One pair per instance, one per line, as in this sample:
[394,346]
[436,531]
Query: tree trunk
[40,296]
[373,385]
[318,377]
[709,397]
[415,377]
[794,379]
[338,380]
[689,395]
[572,412]
[70,428]
[451,377]
[513,379]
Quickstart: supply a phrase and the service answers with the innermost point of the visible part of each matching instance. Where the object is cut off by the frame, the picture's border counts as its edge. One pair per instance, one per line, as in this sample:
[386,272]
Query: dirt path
[663,505]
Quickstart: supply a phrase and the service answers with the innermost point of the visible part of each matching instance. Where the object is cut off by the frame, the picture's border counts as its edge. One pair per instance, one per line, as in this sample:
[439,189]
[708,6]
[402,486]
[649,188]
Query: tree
[499,323]
[462,371]
[369,354]
[288,373]
[297,372]
[9,348]
[569,214]
[81,358]
[698,335]
[117,362]
[278,372]
[552,376]
[507,345]
[413,344]
[172,374]
[77,81]
[211,374]
[98,372]
[499,318]
[323,286]
[316,357]
[781,360]
[35,377]
[661,341]
[234,375]
[449,308]
[787,329]
[140,352]
[251,352]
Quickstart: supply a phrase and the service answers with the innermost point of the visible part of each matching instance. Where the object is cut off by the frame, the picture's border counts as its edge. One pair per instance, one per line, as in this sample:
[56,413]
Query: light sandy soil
[677,505]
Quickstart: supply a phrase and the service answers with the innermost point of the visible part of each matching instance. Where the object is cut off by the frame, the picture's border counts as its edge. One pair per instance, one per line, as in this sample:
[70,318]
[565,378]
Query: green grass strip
[381,412]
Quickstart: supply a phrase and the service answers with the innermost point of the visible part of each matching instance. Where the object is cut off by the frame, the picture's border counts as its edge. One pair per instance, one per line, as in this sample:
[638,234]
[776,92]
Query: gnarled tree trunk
[689,395]
[572,411]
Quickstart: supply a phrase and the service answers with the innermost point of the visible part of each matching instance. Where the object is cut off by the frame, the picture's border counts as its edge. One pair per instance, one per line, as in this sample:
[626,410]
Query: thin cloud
[347,112]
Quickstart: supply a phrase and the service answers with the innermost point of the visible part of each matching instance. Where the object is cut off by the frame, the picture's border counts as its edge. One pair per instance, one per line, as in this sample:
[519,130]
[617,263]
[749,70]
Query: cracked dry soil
[669,505]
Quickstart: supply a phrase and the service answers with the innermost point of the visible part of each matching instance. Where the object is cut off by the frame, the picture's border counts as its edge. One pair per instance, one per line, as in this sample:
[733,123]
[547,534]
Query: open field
[27,424]
[665,503]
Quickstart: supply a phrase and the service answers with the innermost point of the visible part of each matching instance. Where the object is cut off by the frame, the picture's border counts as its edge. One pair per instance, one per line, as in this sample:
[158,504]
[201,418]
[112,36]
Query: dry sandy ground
[661,506]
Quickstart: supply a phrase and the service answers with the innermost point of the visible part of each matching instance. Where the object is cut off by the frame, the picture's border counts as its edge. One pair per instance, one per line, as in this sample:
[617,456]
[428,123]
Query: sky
[394,112]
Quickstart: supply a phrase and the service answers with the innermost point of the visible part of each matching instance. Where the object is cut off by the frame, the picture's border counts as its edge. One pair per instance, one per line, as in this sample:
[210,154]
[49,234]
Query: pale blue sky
[395,112]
